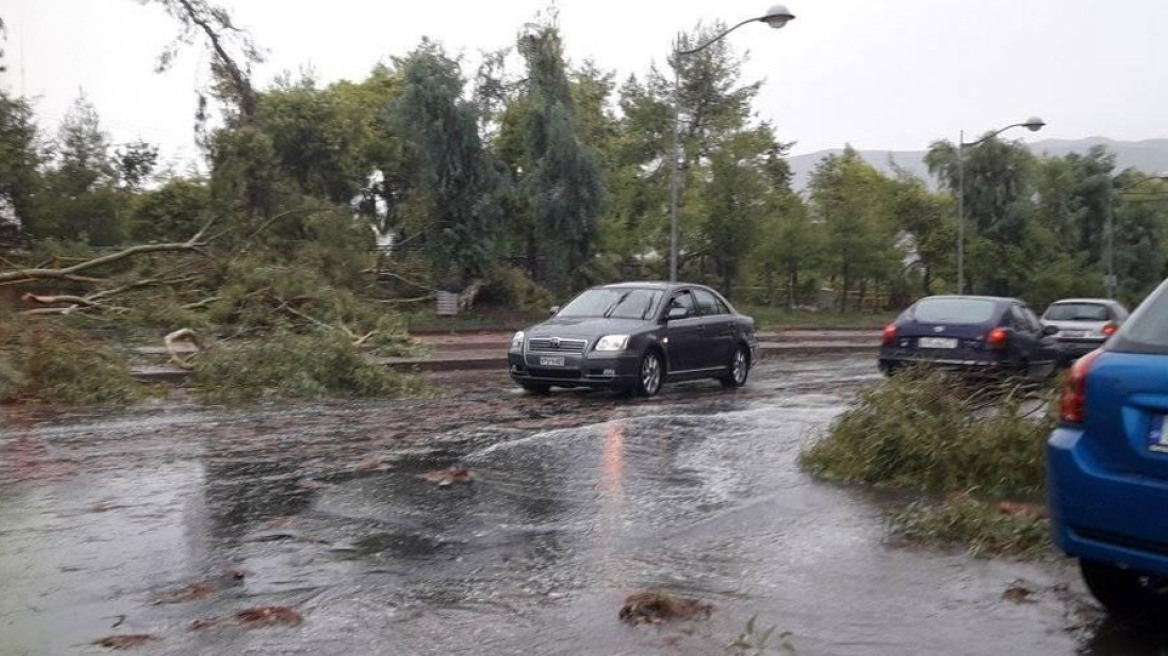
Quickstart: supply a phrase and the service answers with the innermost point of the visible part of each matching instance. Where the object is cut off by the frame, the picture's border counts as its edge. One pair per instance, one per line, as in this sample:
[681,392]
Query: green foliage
[852,200]
[981,526]
[320,364]
[931,431]
[563,183]
[43,361]
[173,212]
[511,288]
[450,173]
[20,158]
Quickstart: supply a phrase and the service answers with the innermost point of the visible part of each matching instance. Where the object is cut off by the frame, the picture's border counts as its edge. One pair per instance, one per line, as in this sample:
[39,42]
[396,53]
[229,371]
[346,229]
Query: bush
[511,288]
[46,362]
[932,431]
[979,525]
[284,365]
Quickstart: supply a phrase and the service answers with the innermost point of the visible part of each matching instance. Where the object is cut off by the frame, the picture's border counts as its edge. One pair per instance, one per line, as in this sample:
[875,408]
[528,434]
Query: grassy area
[774,318]
[935,432]
[977,524]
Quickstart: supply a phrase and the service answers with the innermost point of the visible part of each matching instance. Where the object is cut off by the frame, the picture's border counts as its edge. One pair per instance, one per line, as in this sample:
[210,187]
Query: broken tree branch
[192,244]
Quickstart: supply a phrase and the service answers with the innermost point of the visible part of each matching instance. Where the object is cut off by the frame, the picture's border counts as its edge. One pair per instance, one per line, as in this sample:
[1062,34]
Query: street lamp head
[777,16]
[1034,124]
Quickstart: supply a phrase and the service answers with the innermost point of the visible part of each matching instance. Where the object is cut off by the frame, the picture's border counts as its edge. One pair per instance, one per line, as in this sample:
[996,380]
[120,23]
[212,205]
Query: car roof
[1098,301]
[995,299]
[650,284]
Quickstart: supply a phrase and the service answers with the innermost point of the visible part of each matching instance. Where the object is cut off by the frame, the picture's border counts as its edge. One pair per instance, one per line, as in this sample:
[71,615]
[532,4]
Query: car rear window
[1146,331]
[1077,312]
[954,310]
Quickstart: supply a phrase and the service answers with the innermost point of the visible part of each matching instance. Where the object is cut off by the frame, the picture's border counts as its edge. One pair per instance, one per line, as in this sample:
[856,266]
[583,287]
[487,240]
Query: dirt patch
[658,606]
[187,593]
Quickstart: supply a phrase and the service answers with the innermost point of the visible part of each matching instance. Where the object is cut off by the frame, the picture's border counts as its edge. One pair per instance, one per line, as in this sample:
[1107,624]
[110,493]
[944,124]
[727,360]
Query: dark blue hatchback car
[1107,465]
[985,333]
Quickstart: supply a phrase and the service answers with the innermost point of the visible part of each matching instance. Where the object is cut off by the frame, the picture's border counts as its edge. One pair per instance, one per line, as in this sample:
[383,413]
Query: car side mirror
[1047,331]
[555,309]
[677,313]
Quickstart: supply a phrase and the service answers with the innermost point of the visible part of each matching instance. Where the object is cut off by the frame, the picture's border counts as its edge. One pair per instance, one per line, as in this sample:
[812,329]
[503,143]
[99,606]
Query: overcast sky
[881,74]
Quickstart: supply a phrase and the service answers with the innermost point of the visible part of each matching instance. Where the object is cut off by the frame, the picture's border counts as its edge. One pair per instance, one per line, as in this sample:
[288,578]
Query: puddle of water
[577,501]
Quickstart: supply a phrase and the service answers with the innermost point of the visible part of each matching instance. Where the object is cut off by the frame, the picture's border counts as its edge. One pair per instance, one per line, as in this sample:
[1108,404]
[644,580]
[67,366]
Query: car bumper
[1077,348]
[591,370]
[1104,515]
[894,358]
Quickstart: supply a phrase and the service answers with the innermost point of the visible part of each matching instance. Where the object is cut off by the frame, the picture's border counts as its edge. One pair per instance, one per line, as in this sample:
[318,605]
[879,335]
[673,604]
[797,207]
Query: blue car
[1107,465]
[977,333]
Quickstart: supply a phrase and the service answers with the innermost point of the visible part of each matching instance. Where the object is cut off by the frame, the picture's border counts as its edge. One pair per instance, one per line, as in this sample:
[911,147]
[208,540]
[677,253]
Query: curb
[166,374]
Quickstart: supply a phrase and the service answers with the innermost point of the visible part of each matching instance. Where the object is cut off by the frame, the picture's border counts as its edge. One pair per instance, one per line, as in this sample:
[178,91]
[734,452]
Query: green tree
[81,200]
[998,207]
[452,175]
[21,158]
[850,197]
[563,183]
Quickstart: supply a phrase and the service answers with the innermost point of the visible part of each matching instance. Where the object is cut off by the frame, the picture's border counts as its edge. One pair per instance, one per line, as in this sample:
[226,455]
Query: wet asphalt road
[578,500]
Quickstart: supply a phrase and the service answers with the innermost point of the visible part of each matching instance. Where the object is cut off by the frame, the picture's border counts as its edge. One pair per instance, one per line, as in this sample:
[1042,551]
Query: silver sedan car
[1083,324]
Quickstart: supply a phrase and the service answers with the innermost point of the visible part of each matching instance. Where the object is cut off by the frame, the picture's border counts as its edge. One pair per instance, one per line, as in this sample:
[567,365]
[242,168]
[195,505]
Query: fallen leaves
[657,606]
[125,641]
[1033,511]
[449,476]
[252,618]
[1018,593]
[187,593]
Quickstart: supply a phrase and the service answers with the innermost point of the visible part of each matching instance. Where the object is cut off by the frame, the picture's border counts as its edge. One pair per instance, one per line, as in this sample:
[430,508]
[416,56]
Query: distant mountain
[1150,155]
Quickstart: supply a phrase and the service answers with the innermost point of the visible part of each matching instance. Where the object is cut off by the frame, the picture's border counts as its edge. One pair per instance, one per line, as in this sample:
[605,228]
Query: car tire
[738,369]
[537,389]
[650,374]
[1126,593]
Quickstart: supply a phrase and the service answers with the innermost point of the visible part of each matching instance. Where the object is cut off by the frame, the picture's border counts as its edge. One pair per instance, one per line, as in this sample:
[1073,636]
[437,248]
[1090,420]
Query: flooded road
[167,520]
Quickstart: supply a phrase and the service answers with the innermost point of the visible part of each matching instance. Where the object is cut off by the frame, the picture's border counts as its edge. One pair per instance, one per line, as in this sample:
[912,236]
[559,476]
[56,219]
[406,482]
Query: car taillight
[1074,397]
[889,336]
[1109,329]
[997,338]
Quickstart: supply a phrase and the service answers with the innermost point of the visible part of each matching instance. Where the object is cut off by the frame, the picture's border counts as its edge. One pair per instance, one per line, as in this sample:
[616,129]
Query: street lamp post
[1034,124]
[777,16]
[1111,282]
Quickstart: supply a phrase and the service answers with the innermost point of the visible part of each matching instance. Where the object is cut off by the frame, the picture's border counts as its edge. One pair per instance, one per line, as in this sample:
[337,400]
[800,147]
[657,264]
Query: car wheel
[1126,593]
[649,374]
[738,369]
[537,389]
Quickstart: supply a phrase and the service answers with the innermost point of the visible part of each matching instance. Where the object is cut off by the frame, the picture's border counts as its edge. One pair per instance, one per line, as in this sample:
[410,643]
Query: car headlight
[612,343]
[517,341]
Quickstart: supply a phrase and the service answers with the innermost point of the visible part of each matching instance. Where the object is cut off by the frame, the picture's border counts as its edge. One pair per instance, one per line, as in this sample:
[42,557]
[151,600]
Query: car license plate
[1073,333]
[551,362]
[1157,436]
[937,342]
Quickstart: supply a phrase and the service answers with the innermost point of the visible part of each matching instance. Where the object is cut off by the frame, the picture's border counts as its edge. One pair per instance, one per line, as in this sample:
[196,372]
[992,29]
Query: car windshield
[1146,331]
[954,310]
[1077,312]
[613,303]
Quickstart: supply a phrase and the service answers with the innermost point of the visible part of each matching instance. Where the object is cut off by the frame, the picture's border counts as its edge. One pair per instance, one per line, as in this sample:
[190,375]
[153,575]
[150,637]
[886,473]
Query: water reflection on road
[577,501]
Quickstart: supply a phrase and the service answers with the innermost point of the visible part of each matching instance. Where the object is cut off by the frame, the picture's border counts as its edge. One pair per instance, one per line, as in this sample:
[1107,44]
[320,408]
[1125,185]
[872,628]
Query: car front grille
[549,344]
[559,374]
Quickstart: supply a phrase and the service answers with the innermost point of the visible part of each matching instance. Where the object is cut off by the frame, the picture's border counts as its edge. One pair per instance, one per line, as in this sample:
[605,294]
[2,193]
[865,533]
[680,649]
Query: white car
[1083,324]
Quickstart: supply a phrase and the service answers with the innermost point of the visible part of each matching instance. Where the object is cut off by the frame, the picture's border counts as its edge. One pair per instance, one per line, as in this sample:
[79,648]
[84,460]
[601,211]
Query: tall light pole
[1034,124]
[777,16]
[1111,282]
